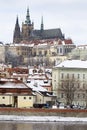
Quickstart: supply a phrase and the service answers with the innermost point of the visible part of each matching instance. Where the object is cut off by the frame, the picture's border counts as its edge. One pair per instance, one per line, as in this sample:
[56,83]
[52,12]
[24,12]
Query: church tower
[27,27]
[17,34]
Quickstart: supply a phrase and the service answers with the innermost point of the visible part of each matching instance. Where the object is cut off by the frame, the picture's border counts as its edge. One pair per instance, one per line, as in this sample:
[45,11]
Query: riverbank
[43,112]
[41,118]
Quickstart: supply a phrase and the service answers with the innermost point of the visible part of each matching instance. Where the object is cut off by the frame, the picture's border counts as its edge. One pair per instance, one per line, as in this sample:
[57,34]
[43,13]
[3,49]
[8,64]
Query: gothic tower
[17,34]
[27,27]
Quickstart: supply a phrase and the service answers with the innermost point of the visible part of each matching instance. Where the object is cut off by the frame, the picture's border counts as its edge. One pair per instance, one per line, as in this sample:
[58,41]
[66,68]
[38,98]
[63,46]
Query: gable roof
[15,86]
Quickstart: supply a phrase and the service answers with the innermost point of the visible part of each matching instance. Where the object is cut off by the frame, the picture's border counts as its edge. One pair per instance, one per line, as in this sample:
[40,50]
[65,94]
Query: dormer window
[45,81]
[34,71]
[28,81]
[40,71]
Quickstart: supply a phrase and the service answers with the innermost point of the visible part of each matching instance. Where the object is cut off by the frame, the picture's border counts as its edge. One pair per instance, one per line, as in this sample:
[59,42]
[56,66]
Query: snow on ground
[42,118]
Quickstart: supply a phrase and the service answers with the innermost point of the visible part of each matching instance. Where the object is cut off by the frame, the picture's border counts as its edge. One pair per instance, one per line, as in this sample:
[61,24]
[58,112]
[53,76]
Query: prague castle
[28,33]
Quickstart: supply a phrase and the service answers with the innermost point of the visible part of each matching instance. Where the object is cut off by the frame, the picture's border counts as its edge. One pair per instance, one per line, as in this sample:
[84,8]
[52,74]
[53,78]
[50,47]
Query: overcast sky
[69,15]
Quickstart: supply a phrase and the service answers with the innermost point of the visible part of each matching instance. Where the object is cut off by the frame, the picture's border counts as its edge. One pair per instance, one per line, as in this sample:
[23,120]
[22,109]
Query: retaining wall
[43,112]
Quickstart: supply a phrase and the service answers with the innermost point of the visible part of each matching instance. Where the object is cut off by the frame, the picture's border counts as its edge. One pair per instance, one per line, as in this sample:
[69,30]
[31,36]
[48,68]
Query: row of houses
[24,87]
[40,51]
[15,93]
[65,83]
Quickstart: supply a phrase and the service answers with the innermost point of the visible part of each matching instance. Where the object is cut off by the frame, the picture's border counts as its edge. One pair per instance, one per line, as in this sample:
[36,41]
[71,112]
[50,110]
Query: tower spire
[16,21]
[28,21]
[17,36]
[42,25]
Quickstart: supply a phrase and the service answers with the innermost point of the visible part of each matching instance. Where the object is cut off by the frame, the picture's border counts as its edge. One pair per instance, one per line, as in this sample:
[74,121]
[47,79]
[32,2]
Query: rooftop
[73,64]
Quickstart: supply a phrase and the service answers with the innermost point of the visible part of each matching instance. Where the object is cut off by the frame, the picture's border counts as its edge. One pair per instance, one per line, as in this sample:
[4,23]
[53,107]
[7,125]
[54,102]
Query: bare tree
[68,87]
[13,59]
[85,95]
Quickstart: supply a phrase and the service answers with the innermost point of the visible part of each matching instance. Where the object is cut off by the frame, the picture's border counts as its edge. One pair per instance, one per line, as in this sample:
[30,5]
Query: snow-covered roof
[36,76]
[19,75]
[73,64]
[22,44]
[40,82]
[36,87]
[12,85]
[48,70]
[41,90]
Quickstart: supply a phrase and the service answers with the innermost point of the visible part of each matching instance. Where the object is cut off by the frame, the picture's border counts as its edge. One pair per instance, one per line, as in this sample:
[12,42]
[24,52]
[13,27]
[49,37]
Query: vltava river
[42,126]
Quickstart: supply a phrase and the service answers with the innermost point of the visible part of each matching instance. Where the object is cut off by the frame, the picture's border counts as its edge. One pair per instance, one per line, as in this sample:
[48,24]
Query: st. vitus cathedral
[28,33]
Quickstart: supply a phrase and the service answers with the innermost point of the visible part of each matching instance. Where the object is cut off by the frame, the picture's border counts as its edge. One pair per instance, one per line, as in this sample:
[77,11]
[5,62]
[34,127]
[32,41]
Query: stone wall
[43,112]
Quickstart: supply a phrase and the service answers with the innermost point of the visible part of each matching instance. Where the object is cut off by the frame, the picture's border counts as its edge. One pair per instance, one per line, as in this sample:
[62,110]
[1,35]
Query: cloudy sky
[69,15]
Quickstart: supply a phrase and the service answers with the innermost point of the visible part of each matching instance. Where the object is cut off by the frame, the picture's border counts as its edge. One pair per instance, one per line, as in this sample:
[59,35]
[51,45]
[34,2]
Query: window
[83,76]
[67,75]
[65,50]
[45,53]
[28,81]
[24,97]
[78,76]
[29,97]
[34,53]
[57,50]
[83,85]
[73,85]
[73,76]
[78,95]
[45,81]
[60,50]
[67,95]
[62,76]
[62,95]
[40,53]
[78,85]
[61,85]
[72,95]
[3,97]
[83,95]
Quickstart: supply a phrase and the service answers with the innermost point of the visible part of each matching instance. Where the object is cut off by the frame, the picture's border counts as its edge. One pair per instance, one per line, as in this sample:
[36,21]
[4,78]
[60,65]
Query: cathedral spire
[17,23]
[17,36]
[28,21]
[42,25]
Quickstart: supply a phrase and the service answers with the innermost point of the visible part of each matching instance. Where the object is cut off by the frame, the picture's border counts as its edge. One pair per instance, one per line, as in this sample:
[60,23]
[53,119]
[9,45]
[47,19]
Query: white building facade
[75,72]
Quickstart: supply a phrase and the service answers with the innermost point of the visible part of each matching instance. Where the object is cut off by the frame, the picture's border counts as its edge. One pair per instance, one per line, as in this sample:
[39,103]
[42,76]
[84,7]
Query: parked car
[54,107]
[38,105]
[61,106]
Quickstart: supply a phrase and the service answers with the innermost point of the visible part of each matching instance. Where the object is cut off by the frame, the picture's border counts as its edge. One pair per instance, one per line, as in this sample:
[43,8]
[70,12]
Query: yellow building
[15,93]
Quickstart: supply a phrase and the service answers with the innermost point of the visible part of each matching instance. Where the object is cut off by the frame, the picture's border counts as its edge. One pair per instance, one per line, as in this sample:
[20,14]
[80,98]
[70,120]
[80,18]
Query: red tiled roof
[18,70]
[68,41]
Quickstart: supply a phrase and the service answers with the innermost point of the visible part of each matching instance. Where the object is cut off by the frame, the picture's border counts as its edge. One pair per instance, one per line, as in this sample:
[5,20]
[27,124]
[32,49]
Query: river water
[43,126]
